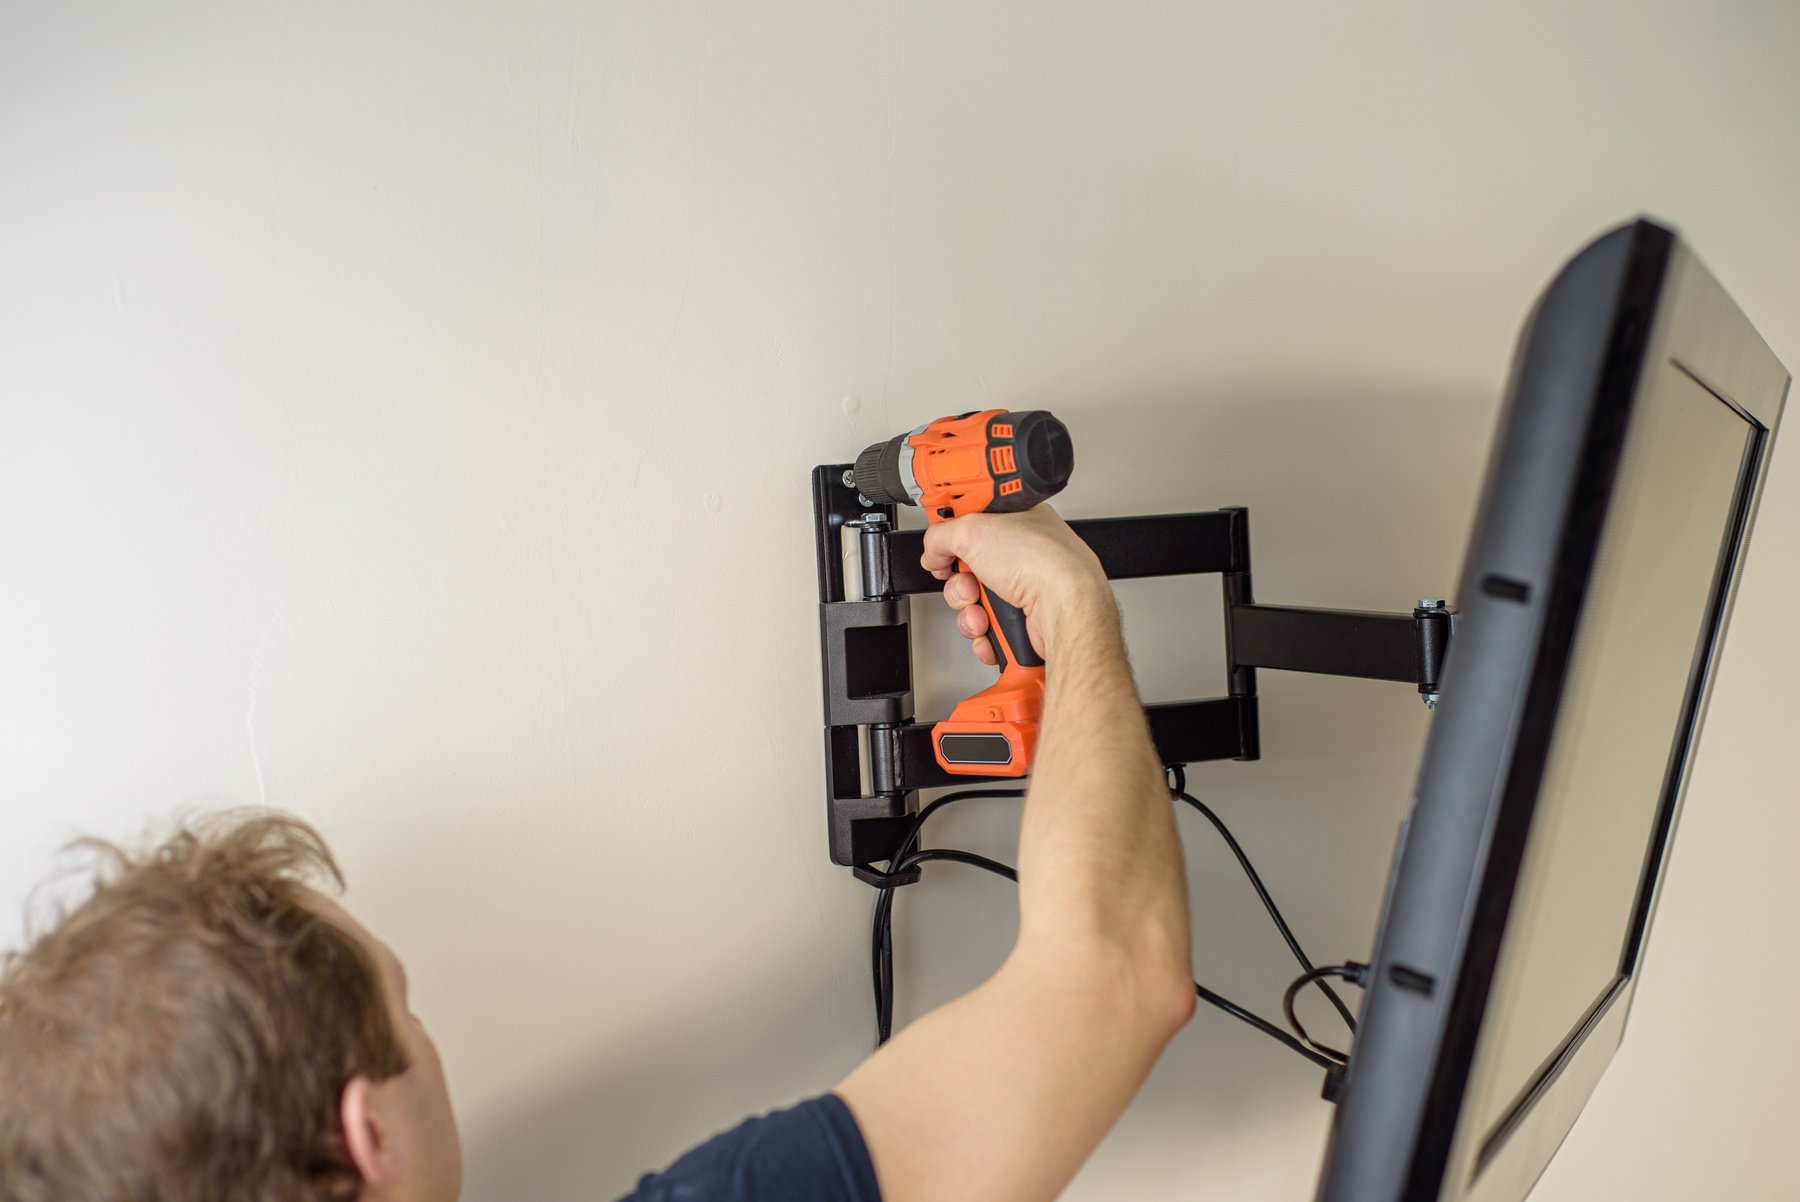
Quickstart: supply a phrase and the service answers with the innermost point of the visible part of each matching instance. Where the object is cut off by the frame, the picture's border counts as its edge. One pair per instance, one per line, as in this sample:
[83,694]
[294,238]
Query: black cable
[905,861]
[1268,902]
[952,856]
[1179,789]
[1261,1024]
[918,822]
[881,938]
[884,956]
[1230,1007]
[1352,972]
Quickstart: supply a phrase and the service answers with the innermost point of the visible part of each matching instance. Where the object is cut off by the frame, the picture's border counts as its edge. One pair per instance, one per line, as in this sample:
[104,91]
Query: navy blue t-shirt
[810,1153]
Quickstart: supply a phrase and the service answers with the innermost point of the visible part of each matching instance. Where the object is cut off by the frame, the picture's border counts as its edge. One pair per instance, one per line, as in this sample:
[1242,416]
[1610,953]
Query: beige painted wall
[405,414]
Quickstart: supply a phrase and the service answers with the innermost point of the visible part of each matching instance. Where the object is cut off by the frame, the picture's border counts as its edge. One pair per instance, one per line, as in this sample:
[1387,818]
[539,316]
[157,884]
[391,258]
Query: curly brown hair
[186,1031]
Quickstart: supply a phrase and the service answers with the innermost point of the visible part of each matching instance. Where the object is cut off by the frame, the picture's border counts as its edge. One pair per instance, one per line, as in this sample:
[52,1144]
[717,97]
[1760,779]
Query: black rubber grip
[1030,456]
[1007,622]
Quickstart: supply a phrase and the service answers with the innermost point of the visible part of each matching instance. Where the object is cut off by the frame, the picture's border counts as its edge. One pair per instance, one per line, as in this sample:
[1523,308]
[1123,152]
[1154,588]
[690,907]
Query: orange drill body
[990,461]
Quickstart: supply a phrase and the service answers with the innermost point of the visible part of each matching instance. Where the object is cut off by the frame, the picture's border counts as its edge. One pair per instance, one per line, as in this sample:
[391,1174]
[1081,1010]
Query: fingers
[963,594]
[961,591]
[972,621]
[984,651]
[944,544]
[939,558]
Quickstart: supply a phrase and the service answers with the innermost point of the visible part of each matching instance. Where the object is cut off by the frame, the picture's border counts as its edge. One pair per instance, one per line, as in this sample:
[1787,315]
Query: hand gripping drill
[992,461]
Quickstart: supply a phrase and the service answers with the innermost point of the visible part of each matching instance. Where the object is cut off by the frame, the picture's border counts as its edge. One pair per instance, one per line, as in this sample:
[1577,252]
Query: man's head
[206,1027]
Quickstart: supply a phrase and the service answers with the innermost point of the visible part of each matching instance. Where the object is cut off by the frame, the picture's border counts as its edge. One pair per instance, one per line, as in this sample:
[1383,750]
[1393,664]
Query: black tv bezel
[1581,360]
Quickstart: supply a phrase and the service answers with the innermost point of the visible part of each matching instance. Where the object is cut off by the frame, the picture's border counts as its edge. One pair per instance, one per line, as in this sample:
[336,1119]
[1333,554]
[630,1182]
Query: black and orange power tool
[992,461]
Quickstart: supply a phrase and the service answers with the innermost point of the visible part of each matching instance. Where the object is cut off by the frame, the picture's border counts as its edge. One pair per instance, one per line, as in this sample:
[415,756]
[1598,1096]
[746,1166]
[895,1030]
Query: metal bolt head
[849,477]
[1430,700]
[1432,603]
[864,501]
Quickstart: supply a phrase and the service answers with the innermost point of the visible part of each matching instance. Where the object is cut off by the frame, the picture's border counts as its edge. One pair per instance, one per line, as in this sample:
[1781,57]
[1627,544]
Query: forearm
[1000,1095]
[1100,865]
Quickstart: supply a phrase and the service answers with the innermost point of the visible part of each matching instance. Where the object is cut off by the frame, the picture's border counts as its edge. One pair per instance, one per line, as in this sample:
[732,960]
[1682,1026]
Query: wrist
[1084,614]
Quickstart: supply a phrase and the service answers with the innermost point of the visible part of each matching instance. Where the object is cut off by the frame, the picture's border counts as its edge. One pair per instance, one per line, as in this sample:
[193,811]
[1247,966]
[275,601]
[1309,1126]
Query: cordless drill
[987,462]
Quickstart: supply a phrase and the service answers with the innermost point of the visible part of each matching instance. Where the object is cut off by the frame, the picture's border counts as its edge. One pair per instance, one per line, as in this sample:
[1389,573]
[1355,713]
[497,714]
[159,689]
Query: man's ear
[364,1138]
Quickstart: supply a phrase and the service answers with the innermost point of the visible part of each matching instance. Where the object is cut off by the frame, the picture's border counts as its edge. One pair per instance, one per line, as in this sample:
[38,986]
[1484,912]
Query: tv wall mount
[878,758]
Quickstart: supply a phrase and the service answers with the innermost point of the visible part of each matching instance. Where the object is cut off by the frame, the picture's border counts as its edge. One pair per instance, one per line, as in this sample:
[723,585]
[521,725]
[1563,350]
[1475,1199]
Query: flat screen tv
[1593,602]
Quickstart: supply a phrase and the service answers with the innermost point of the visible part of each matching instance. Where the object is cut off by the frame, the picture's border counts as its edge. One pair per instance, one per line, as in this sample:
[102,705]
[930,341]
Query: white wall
[407,412]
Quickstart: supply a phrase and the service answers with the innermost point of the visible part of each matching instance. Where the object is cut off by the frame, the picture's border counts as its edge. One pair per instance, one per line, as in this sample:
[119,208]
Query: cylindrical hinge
[885,760]
[877,577]
[1432,620]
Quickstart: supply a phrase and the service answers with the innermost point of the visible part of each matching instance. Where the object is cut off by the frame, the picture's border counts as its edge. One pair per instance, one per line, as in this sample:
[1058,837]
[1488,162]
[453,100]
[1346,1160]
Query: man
[206,1028]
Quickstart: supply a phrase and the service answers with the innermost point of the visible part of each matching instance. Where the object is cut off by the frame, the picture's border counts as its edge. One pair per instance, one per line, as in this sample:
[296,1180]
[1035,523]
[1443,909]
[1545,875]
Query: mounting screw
[849,477]
[1432,603]
[864,501]
[1430,700]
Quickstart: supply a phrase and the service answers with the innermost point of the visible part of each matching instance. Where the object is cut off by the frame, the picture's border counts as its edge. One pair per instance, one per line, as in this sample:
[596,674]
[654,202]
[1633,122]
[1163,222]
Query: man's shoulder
[812,1152]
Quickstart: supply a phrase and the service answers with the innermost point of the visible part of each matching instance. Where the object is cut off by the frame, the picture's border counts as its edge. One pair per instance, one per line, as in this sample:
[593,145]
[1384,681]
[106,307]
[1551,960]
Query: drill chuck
[879,473]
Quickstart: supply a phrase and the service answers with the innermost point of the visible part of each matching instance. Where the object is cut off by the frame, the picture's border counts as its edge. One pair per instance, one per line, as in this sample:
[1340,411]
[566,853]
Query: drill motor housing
[989,461]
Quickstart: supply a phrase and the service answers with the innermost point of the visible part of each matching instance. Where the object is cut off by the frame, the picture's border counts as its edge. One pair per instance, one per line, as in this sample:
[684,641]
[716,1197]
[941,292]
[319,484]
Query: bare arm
[1003,1093]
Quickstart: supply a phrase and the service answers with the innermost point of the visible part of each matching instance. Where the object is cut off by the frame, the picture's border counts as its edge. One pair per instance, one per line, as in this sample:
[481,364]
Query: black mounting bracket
[877,757]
